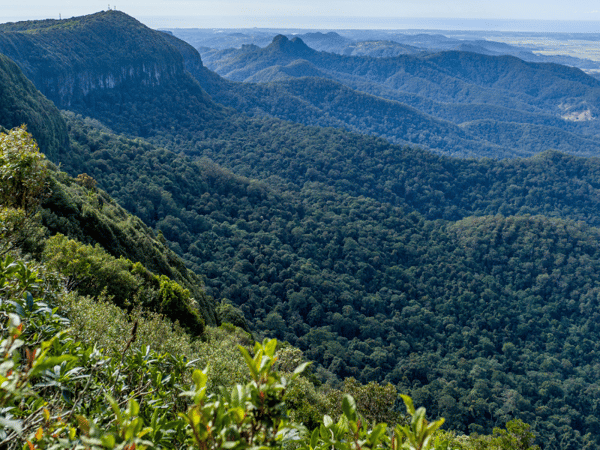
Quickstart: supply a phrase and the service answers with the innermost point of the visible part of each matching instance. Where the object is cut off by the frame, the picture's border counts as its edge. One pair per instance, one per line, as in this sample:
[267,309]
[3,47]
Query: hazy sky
[234,13]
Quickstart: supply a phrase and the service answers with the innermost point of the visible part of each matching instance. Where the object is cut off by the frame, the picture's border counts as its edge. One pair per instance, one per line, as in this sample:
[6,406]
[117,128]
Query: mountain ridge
[454,68]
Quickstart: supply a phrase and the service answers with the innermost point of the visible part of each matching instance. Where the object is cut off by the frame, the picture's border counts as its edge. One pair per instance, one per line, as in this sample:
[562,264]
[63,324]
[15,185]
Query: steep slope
[88,53]
[325,42]
[92,217]
[21,102]
[85,213]
[111,67]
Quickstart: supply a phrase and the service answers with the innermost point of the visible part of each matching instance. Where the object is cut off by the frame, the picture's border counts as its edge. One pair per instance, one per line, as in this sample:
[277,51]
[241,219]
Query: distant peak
[283,44]
[279,40]
[298,42]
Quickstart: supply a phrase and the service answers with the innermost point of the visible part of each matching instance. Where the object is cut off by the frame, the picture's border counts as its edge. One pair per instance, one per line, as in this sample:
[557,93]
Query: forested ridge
[469,284]
[447,85]
[379,292]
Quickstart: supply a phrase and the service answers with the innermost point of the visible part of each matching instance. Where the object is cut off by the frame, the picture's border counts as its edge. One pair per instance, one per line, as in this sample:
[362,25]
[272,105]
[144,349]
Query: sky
[302,13]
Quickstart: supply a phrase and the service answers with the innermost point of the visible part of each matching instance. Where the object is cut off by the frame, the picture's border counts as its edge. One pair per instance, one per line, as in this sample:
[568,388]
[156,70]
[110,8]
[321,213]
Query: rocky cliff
[69,59]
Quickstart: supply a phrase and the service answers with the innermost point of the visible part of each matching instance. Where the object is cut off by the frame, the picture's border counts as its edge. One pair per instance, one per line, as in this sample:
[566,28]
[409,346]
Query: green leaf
[301,368]
[115,407]
[29,301]
[314,438]
[349,407]
[200,378]
[409,404]
[432,427]
[249,362]
[238,396]
[238,413]
[108,441]
[270,347]
[377,433]
[46,363]
[134,407]
[265,364]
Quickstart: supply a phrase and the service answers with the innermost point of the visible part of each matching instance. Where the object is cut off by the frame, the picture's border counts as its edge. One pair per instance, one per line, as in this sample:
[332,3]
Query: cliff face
[110,67]
[70,59]
[69,89]
[191,57]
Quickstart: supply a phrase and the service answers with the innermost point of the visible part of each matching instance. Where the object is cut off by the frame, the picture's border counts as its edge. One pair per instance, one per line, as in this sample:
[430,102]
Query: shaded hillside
[75,207]
[532,138]
[324,102]
[421,82]
[66,59]
[110,66]
[325,42]
[379,49]
[92,217]
[296,69]
[334,43]
[21,102]
[440,77]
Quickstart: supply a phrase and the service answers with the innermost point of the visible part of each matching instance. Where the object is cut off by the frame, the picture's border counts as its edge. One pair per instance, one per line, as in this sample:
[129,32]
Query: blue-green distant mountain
[454,77]
[446,86]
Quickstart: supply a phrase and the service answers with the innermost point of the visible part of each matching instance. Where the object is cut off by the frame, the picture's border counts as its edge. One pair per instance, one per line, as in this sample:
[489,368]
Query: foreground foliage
[22,187]
[61,391]
[57,392]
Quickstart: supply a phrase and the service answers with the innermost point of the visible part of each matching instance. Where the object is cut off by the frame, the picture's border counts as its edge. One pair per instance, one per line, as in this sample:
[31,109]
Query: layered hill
[447,86]
[471,284]
[305,94]
[319,97]
[334,43]
[440,77]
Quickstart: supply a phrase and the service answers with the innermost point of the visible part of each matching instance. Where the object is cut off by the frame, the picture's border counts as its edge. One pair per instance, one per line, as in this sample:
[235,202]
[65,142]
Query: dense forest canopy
[471,285]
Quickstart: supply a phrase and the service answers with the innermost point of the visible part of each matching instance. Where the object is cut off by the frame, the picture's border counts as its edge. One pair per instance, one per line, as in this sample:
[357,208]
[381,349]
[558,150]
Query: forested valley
[195,224]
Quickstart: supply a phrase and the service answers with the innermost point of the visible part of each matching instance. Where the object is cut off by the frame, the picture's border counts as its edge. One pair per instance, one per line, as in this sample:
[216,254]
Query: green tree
[23,186]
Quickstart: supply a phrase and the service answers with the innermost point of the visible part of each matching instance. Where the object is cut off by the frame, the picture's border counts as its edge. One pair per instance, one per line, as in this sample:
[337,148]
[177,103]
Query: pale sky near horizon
[236,13]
